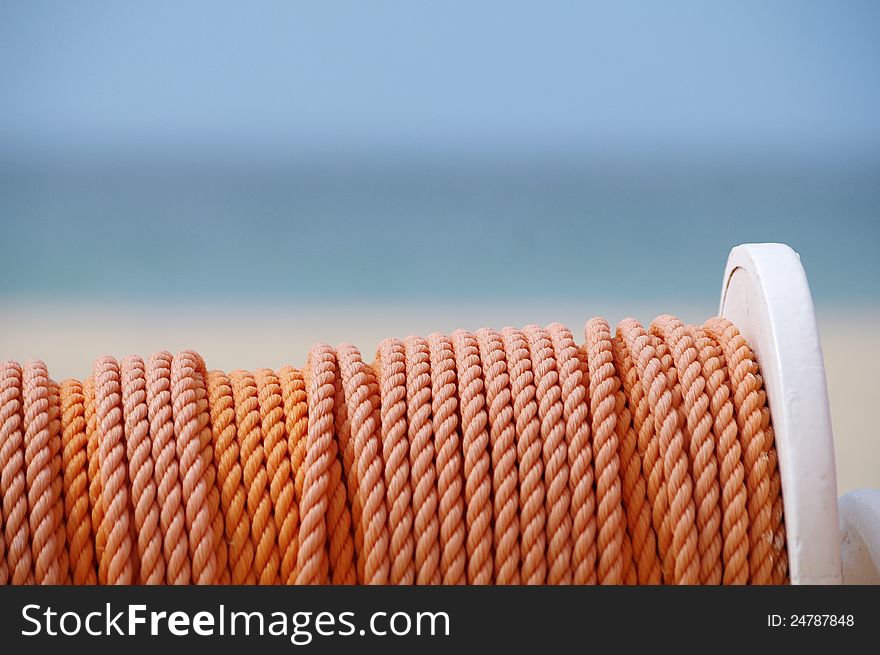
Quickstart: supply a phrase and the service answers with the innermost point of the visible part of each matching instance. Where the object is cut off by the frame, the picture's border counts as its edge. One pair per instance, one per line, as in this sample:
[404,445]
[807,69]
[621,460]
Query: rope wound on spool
[643,456]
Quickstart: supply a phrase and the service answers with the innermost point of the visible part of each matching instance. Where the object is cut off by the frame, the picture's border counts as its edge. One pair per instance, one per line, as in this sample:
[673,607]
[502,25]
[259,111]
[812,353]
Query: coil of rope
[642,456]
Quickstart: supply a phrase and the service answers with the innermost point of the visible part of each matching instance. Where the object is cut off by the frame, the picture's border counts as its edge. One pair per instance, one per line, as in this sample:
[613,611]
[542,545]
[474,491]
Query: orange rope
[343,490]
[749,401]
[259,502]
[96,504]
[639,491]
[189,407]
[702,443]
[502,440]
[4,565]
[674,495]
[622,434]
[426,529]
[229,475]
[57,480]
[445,423]
[348,475]
[296,422]
[278,469]
[172,519]
[391,362]
[576,412]
[141,469]
[312,563]
[16,525]
[555,453]
[43,493]
[614,560]
[530,464]
[735,519]
[118,558]
[221,548]
[512,457]
[76,486]
[475,443]
[362,398]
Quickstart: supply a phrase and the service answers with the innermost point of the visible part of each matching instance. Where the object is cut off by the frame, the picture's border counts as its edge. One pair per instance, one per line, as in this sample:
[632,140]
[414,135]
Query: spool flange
[766,295]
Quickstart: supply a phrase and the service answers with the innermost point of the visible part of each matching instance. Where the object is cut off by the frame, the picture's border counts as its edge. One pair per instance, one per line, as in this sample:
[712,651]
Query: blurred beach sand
[69,337]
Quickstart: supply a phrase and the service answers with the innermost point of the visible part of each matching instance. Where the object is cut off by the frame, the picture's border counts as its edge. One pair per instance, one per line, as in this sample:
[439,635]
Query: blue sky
[257,76]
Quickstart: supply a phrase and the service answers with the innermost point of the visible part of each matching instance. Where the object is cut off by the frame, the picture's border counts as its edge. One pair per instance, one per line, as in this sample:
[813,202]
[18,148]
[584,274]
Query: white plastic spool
[860,536]
[766,295]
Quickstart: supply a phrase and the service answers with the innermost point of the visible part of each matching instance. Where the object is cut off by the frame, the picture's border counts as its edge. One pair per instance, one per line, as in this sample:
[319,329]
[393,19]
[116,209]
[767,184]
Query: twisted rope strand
[447,447]
[778,546]
[555,454]
[362,398]
[281,489]
[573,373]
[623,432]
[613,563]
[780,554]
[233,496]
[530,464]
[477,461]
[57,481]
[296,422]
[638,497]
[702,443]
[74,443]
[426,528]
[38,460]
[345,467]
[221,548]
[118,558]
[252,456]
[141,470]
[222,573]
[674,387]
[502,441]
[96,502]
[344,498]
[169,494]
[391,364]
[656,384]
[735,519]
[190,419]
[748,400]
[312,562]
[16,526]
[4,566]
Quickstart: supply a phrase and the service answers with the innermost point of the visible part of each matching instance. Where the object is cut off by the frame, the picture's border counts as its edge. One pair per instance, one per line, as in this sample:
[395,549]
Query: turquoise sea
[366,228]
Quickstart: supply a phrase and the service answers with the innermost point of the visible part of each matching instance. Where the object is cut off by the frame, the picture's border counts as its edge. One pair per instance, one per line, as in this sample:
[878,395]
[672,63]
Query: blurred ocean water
[442,152]
[373,228]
